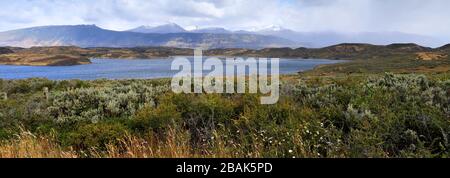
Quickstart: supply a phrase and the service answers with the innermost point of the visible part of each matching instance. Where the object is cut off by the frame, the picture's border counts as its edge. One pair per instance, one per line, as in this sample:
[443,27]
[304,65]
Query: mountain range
[93,36]
[173,35]
[323,39]
[309,39]
[162,29]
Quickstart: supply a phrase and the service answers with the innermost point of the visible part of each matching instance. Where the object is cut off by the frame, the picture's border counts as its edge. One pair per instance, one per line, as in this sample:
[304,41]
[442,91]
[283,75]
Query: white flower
[290,151]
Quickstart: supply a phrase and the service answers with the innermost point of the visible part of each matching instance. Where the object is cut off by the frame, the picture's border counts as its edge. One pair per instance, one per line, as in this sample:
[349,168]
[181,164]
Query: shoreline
[127,73]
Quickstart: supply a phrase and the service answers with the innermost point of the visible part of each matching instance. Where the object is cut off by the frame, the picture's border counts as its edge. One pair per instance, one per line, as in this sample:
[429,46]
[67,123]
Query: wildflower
[290,151]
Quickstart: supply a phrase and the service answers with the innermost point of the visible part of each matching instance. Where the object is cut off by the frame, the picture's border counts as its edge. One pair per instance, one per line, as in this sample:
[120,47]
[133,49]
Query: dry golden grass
[175,145]
[27,145]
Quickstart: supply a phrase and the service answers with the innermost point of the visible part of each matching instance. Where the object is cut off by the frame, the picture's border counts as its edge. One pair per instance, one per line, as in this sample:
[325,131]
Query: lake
[129,69]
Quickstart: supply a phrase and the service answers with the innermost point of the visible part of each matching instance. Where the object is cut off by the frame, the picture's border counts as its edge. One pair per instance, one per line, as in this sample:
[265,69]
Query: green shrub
[155,119]
[204,113]
[95,104]
[89,136]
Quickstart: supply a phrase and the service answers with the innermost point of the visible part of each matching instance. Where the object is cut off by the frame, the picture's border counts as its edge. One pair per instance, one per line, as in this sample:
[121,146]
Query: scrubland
[341,115]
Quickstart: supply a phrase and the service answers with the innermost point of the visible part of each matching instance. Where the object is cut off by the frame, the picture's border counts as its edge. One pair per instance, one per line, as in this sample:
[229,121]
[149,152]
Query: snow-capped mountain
[270,28]
[323,39]
[167,28]
[213,30]
[175,36]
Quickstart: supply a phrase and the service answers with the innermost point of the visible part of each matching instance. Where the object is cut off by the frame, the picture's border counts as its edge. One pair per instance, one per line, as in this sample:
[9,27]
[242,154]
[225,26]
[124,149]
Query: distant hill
[323,39]
[347,51]
[445,48]
[5,51]
[71,55]
[93,36]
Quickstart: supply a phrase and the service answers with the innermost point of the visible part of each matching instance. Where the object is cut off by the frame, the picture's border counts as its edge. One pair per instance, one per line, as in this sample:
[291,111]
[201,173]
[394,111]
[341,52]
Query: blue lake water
[130,69]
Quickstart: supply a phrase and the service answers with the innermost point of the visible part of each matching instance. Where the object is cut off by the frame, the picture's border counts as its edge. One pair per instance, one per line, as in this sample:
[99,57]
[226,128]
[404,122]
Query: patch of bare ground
[424,69]
[429,56]
[39,59]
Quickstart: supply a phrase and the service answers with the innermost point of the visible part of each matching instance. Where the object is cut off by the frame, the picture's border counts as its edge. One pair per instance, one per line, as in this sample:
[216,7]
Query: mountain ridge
[214,30]
[173,35]
[167,28]
[93,36]
[322,39]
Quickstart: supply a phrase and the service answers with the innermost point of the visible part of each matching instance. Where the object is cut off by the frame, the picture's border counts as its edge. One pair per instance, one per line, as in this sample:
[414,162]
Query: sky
[429,17]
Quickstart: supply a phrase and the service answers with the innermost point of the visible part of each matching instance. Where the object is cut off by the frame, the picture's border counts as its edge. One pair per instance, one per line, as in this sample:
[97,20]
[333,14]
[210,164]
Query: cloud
[411,16]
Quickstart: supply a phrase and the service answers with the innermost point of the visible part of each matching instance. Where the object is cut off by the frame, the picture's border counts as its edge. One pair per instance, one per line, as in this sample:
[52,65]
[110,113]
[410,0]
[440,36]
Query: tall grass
[27,145]
[175,145]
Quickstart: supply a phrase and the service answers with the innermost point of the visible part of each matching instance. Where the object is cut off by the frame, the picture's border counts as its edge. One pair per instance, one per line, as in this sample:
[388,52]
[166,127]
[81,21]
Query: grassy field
[344,110]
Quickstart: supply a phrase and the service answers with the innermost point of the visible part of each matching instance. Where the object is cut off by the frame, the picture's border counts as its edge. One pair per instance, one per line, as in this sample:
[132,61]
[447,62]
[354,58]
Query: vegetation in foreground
[364,115]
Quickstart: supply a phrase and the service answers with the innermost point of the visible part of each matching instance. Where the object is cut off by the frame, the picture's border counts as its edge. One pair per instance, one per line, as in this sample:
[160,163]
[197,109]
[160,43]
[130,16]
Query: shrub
[95,136]
[159,119]
[343,116]
[394,113]
[204,113]
[95,104]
